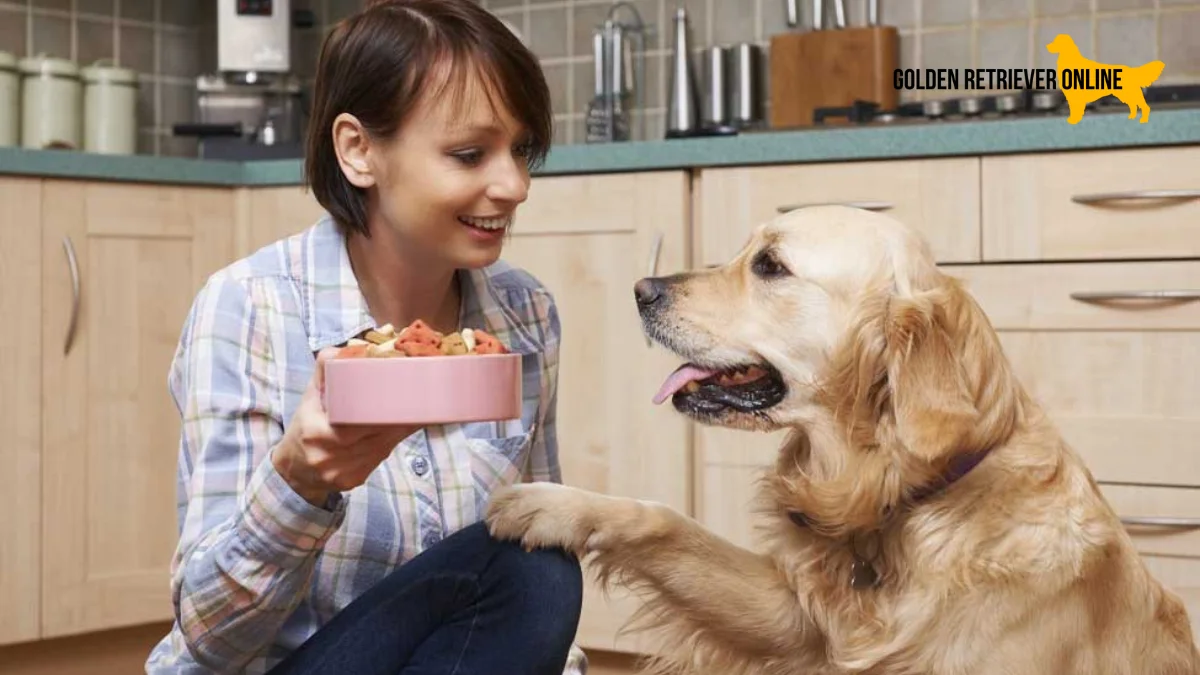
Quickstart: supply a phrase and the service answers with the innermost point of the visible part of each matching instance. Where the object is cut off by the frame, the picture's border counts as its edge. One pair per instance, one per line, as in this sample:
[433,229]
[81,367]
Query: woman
[307,549]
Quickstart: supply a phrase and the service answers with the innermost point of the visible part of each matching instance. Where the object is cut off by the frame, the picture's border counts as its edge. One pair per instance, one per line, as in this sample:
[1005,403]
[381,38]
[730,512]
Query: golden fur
[892,370]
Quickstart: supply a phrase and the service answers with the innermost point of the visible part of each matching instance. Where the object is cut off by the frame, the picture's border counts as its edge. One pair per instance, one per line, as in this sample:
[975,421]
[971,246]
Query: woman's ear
[931,396]
[353,147]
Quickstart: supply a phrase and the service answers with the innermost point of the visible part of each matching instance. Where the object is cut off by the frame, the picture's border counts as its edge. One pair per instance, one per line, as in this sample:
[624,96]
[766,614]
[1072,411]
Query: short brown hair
[377,64]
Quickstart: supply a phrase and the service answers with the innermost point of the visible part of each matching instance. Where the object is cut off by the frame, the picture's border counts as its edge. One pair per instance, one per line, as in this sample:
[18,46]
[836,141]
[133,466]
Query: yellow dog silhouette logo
[1083,80]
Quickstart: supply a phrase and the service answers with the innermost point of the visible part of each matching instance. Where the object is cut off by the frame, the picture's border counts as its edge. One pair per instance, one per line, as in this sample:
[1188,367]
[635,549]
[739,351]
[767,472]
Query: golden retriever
[925,516]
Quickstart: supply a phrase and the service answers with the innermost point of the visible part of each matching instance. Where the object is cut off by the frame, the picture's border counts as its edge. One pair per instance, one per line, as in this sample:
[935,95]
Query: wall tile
[94,40]
[945,12]
[1080,31]
[12,31]
[1180,48]
[1048,8]
[136,48]
[946,49]
[1116,5]
[548,35]
[1004,10]
[51,36]
[1003,46]
[139,10]
[170,41]
[1125,40]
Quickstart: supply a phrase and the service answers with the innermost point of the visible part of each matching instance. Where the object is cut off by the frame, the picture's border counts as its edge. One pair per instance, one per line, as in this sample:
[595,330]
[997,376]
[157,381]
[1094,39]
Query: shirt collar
[335,307]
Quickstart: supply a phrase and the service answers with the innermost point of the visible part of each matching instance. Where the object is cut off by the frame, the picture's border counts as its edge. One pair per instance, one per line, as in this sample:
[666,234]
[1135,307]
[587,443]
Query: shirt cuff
[283,525]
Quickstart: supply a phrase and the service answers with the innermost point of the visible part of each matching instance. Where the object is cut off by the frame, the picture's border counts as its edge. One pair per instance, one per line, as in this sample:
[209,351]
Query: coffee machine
[253,106]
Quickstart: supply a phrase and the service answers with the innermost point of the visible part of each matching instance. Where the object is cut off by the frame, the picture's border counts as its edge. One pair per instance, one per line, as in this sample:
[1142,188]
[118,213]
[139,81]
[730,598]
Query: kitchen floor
[123,652]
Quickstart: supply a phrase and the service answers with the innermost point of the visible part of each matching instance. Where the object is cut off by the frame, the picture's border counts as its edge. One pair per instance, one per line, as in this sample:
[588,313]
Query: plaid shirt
[258,569]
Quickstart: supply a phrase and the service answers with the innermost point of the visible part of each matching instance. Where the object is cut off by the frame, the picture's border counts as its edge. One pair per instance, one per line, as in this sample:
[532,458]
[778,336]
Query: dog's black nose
[649,290]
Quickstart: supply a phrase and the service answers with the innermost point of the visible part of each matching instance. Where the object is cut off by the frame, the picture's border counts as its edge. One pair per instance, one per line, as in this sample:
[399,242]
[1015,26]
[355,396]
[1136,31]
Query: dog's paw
[542,515]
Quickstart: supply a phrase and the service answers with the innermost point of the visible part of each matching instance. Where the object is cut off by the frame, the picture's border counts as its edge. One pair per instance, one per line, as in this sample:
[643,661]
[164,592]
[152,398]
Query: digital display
[254,7]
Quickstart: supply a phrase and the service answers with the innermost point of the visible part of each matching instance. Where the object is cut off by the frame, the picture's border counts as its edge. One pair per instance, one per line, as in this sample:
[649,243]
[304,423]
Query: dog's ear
[931,397]
[897,374]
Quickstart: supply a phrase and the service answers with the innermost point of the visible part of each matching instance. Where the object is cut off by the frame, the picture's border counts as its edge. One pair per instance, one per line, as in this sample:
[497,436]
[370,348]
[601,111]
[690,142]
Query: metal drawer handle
[1099,296]
[1135,194]
[73,264]
[868,205]
[1160,521]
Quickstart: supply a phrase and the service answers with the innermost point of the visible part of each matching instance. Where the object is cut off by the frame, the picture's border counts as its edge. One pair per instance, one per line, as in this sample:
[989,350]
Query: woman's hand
[317,459]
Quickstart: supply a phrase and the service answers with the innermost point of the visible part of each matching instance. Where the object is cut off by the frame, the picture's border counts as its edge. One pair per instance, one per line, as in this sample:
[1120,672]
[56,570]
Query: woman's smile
[487,228]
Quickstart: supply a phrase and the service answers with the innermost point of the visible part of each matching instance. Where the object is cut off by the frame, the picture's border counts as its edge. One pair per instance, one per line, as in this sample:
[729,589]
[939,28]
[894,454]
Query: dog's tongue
[678,379]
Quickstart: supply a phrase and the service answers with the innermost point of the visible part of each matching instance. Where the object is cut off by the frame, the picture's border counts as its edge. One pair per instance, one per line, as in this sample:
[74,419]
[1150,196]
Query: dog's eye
[766,266]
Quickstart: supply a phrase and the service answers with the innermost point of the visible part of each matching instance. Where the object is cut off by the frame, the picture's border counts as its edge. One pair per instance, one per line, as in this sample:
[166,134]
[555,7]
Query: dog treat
[419,339]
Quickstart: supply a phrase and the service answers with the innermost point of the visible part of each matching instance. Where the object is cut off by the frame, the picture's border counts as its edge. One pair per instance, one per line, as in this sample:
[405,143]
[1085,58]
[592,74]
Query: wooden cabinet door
[21,346]
[589,239]
[110,430]
[937,196]
[268,214]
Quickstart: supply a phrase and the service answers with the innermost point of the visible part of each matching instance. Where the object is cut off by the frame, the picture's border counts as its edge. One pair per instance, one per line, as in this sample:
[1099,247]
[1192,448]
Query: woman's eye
[469,157]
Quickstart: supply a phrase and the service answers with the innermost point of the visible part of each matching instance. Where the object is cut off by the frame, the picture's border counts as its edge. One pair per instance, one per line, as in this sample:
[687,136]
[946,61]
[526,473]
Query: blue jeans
[470,605]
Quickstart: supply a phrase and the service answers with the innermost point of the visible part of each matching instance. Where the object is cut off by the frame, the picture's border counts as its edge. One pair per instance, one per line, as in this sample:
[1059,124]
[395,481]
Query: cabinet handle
[1135,194]
[1100,296]
[868,205]
[1160,521]
[74,267]
[652,266]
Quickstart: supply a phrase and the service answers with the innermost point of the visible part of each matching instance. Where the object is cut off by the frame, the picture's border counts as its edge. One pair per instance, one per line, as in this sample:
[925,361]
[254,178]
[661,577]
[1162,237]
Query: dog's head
[1061,43]
[832,318]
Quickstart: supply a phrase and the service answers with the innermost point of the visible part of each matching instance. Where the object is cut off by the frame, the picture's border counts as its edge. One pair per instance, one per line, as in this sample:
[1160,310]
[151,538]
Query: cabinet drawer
[1162,295]
[1141,203]
[1121,379]
[1128,401]
[940,197]
[1170,550]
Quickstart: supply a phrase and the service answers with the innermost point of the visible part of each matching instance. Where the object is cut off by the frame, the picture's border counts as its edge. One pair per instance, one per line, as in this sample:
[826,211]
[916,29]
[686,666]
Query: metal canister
[716,108]
[745,84]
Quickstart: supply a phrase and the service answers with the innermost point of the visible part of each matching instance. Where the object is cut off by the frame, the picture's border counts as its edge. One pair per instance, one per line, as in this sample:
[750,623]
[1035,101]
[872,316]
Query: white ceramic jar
[10,101]
[51,100]
[109,110]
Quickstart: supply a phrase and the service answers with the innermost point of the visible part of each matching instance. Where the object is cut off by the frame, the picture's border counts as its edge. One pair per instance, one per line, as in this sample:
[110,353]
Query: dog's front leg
[700,586]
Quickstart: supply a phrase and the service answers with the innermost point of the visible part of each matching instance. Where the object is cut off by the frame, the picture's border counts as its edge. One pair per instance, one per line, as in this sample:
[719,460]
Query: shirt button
[419,465]
[431,538]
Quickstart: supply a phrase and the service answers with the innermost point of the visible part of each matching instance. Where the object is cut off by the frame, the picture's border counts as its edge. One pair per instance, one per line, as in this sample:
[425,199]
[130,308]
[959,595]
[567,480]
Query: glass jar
[109,109]
[51,99]
[10,101]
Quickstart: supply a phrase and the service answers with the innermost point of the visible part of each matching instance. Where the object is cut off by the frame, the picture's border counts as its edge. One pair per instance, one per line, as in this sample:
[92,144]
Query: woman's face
[447,185]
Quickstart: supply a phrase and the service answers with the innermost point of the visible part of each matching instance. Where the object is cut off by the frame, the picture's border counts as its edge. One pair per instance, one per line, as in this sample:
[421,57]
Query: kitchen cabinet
[110,433]
[939,197]
[21,349]
[1094,205]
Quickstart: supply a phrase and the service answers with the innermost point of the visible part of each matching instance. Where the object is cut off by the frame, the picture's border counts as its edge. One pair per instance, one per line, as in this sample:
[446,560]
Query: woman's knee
[549,581]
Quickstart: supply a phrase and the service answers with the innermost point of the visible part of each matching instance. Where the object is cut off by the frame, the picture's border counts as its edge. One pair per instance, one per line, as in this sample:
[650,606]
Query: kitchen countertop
[951,138]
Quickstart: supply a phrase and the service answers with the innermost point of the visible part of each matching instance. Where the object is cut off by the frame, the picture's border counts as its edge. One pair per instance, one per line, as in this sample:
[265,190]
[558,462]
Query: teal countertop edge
[952,138]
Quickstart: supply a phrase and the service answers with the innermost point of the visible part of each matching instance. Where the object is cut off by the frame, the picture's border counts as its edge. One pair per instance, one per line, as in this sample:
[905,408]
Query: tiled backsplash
[171,41]
[160,39]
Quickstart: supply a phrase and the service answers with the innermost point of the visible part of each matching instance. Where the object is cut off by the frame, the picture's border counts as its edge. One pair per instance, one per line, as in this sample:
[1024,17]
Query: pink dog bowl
[423,389]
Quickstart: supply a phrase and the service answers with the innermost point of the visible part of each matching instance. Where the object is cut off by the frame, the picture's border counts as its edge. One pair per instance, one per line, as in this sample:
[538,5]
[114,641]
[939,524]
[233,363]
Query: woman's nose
[510,183]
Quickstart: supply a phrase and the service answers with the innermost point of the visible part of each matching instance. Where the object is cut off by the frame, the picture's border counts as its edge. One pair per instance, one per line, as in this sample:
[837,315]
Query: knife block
[831,68]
